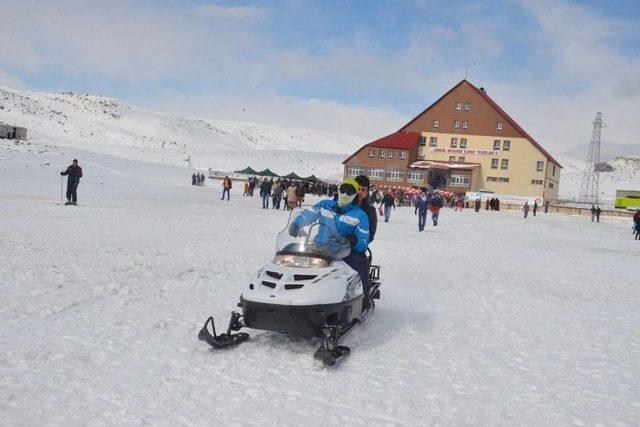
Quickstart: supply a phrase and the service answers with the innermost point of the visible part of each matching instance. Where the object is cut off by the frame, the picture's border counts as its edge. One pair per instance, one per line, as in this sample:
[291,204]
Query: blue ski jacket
[349,220]
[421,205]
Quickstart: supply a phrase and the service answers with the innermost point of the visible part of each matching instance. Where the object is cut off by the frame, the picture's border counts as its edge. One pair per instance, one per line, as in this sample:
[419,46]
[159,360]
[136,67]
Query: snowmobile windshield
[312,232]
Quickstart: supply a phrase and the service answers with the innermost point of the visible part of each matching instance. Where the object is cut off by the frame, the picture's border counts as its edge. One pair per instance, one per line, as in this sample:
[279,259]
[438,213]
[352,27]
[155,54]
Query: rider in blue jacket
[351,222]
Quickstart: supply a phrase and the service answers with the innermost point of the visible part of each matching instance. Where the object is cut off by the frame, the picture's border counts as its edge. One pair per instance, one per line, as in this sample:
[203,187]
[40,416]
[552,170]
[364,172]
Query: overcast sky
[363,67]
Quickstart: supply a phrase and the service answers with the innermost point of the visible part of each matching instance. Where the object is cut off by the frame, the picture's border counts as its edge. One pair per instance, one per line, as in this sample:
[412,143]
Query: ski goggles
[347,189]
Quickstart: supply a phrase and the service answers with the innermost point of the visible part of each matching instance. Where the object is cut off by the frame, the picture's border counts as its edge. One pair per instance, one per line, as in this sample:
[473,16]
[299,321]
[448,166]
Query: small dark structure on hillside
[12,132]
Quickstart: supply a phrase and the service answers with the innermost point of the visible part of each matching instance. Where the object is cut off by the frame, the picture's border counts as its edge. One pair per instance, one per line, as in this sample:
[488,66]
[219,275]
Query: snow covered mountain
[109,126]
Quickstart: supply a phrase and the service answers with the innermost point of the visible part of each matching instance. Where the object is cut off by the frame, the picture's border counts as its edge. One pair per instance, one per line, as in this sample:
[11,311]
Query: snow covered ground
[487,319]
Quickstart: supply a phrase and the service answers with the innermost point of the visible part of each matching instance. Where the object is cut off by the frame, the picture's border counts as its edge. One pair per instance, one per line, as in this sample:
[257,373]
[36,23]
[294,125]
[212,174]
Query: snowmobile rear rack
[223,340]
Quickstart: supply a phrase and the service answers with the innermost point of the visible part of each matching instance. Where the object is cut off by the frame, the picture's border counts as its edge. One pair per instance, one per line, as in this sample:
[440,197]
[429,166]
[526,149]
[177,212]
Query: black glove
[293,229]
[61,173]
[353,240]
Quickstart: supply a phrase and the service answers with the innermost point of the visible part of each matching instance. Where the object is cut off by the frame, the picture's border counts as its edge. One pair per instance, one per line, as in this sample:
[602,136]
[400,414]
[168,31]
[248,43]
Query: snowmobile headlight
[300,261]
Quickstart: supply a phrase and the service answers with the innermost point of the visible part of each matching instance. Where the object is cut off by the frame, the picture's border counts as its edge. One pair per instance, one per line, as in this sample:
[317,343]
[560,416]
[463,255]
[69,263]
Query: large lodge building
[463,142]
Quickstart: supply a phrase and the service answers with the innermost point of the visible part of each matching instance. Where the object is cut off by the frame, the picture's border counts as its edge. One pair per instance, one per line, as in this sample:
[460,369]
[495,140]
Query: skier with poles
[74,173]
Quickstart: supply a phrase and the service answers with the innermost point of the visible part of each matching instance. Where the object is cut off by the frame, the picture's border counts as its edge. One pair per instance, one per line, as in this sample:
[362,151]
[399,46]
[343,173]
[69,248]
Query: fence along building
[463,142]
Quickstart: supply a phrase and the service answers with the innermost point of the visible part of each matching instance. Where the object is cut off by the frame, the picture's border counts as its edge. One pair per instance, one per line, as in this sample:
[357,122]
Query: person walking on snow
[593,213]
[421,210]
[226,187]
[388,202]
[74,173]
[598,211]
[525,209]
[636,222]
[265,193]
[436,204]
[535,207]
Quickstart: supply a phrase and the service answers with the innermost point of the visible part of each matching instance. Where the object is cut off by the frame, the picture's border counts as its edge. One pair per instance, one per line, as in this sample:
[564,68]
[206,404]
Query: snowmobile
[306,290]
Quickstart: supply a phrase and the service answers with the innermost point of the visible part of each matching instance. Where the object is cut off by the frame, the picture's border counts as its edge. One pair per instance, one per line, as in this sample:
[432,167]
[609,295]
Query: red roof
[500,111]
[400,140]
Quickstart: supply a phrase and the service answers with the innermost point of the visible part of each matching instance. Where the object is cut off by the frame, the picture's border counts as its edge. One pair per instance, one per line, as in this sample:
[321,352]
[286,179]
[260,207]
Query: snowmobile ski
[223,340]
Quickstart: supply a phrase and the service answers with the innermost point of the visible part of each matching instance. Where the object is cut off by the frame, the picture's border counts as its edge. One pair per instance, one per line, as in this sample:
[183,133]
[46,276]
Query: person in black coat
[365,204]
[74,173]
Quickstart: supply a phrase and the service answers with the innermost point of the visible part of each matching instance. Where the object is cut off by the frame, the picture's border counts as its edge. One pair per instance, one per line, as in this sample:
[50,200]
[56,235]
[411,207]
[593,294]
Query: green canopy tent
[247,171]
[267,172]
[292,175]
[311,178]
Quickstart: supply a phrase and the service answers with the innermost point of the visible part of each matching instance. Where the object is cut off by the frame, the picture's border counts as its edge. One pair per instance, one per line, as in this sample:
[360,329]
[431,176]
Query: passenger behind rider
[351,223]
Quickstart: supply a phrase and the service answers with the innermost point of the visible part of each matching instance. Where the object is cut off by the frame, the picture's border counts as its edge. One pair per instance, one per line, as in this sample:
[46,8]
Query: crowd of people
[197,179]
[287,194]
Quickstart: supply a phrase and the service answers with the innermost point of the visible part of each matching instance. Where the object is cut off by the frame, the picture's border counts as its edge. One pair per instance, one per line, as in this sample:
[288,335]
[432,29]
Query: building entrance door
[438,178]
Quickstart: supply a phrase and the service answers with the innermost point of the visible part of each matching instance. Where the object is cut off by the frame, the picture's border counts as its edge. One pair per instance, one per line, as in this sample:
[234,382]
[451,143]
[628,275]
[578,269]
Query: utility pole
[590,188]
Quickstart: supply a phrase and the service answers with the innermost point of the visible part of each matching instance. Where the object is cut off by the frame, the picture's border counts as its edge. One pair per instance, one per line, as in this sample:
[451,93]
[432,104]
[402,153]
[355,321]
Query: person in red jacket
[74,173]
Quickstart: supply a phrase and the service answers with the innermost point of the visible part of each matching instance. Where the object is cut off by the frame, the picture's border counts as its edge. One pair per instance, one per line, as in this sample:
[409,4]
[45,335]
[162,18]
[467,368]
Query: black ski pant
[72,194]
[422,219]
[359,262]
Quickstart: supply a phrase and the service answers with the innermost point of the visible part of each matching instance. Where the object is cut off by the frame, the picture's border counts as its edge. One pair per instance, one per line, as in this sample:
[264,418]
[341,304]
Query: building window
[436,123]
[372,152]
[463,142]
[390,154]
[422,140]
[500,179]
[465,125]
[353,171]
[461,159]
[458,106]
[536,182]
[551,185]
[459,181]
[403,155]
[395,175]
[467,106]
[382,154]
[454,142]
[499,126]
[496,145]
[494,163]
[506,145]
[415,176]
[375,174]
[456,124]
[554,171]
[433,141]
[421,152]
[504,164]
[492,179]
[539,166]
[452,159]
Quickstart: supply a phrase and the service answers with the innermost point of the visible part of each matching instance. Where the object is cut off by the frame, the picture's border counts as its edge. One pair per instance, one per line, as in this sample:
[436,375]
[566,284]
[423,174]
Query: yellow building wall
[522,155]
[552,177]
